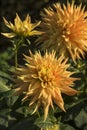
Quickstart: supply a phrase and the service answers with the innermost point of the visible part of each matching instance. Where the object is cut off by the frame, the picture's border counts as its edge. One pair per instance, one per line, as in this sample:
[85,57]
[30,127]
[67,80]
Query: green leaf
[3,87]
[25,124]
[4,117]
[4,76]
[65,127]
[8,93]
[3,121]
[85,128]
[10,99]
[43,124]
[81,119]
[23,110]
[75,109]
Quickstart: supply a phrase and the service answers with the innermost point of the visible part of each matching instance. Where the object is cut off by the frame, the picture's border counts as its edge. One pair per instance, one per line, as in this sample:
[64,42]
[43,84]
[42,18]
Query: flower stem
[38,113]
[16,58]
[17,45]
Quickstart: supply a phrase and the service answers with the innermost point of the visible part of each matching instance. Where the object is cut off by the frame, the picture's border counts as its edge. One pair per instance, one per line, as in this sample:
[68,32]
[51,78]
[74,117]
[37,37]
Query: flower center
[66,33]
[45,75]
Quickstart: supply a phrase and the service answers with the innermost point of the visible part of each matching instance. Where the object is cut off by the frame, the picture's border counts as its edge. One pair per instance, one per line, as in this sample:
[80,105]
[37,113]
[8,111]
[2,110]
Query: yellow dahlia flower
[43,79]
[25,28]
[65,30]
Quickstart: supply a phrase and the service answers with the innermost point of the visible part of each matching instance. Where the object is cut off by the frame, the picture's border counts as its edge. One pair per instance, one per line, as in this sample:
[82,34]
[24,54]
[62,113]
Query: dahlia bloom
[25,28]
[65,30]
[43,79]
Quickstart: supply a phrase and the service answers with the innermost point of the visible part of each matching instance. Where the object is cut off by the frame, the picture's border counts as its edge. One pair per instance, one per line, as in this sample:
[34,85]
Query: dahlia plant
[49,88]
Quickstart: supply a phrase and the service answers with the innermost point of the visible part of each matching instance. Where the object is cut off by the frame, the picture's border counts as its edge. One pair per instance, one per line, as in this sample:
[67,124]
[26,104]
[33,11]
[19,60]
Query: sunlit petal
[65,30]
[47,81]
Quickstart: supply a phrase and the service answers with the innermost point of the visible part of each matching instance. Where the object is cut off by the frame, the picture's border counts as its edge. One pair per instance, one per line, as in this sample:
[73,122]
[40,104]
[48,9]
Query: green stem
[85,87]
[38,113]
[16,58]
[17,46]
[82,67]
